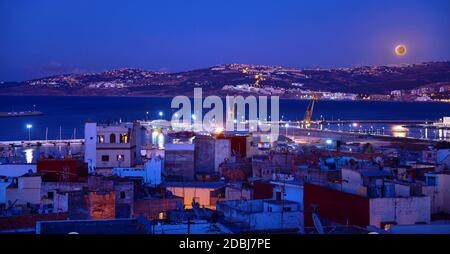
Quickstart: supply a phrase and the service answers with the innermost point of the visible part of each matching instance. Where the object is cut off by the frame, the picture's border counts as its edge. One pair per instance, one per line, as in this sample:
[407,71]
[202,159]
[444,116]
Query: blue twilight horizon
[49,37]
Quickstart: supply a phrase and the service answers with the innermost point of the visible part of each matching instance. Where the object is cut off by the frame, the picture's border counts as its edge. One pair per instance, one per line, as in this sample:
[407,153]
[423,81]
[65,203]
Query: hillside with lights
[424,81]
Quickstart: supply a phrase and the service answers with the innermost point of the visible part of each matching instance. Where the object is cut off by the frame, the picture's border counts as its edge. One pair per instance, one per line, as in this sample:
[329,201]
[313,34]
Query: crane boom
[309,111]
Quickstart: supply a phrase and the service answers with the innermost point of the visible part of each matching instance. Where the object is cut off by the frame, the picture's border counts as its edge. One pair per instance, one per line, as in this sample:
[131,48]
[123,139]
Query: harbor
[31,143]
[20,113]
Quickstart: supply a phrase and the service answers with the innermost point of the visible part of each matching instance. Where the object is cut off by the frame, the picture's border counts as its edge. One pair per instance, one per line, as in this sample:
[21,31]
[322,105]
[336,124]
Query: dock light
[193,117]
[329,141]
[219,130]
[29,126]
[355,124]
[160,113]
[286,125]
[399,128]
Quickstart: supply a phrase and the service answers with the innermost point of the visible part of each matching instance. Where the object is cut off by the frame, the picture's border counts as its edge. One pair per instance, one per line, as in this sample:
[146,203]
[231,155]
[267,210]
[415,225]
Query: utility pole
[189,226]
[29,126]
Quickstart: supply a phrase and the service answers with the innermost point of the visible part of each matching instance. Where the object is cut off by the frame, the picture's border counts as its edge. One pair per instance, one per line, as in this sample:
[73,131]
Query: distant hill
[237,78]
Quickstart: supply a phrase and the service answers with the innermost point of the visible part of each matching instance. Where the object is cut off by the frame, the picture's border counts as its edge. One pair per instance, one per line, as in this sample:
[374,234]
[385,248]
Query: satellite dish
[317,224]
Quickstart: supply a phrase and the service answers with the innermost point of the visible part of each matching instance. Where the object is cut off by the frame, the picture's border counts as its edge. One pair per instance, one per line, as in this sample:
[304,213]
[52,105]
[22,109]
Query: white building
[262,215]
[437,187]
[150,173]
[90,145]
[4,183]
[27,190]
[108,146]
[288,190]
[16,170]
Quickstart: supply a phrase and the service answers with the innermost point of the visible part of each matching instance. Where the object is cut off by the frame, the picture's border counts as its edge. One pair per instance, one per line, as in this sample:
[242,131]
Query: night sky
[41,38]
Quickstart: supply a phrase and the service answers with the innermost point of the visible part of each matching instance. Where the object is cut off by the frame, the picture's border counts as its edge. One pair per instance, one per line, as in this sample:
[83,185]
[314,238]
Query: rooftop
[114,226]
[280,202]
[209,185]
[375,173]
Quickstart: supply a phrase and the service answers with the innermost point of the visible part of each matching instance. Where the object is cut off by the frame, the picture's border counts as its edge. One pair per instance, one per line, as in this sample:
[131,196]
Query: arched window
[112,138]
[100,139]
[123,138]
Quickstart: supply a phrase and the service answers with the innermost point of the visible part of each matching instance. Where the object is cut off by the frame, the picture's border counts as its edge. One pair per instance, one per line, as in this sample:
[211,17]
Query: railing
[42,142]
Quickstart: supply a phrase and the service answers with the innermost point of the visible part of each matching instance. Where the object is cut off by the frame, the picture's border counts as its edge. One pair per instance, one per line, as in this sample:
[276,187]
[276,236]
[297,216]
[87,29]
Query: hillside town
[372,83]
[143,177]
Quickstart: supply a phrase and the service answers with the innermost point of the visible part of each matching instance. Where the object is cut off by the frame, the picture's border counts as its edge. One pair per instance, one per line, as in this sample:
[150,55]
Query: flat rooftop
[281,202]
[113,226]
[209,185]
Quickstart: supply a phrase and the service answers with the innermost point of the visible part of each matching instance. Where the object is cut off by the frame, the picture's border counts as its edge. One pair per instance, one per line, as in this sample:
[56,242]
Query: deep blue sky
[40,38]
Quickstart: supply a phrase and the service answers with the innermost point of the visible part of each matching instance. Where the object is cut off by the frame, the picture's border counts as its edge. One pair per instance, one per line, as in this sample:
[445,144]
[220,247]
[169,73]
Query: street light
[29,126]
[160,114]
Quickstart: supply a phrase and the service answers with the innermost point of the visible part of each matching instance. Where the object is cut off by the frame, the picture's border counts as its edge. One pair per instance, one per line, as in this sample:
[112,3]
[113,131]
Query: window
[120,157]
[112,138]
[122,195]
[105,157]
[50,195]
[287,209]
[123,138]
[100,139]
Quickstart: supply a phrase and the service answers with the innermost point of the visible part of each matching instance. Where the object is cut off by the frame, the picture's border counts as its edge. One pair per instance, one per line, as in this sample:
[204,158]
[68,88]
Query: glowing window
[123,138]
[100,139]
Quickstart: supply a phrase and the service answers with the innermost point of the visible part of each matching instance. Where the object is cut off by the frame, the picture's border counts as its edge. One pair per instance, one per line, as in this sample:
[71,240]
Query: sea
[64,117]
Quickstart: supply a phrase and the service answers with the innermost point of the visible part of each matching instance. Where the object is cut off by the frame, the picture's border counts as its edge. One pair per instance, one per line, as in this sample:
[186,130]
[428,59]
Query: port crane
[309,110]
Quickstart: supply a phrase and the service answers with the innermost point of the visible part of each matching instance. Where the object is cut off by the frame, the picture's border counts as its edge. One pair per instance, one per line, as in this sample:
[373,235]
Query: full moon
[400,50]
